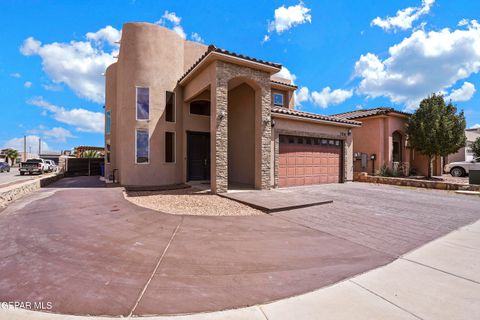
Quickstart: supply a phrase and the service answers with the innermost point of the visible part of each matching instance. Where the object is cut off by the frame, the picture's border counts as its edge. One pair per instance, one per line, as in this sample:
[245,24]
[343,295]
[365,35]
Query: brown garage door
[305,161]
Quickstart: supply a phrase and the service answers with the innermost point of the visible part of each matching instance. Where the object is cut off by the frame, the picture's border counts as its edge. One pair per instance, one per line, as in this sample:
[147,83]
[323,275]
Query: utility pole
[24,148]
[39,146]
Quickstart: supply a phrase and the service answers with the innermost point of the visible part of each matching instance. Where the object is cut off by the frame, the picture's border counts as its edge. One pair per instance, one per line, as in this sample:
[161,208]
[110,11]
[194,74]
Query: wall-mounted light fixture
[273,123]
[349,132]
[221,115]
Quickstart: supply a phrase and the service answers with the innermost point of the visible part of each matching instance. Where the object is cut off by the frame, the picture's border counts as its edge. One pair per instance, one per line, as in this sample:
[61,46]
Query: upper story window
[108,122]
[278,100]
[200,107]
[170,107]
[143,103]
[142,148]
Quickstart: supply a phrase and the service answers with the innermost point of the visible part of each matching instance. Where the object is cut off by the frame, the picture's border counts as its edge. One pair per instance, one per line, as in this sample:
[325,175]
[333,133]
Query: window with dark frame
[169,147]
[170,107]
[278,99]
[200,107]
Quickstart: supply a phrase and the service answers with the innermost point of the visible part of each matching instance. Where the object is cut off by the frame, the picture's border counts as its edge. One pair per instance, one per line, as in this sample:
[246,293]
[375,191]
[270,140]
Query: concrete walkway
[440,280]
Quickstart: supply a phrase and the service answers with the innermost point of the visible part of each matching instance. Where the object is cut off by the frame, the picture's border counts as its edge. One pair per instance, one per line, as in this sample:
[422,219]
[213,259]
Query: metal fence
[83,167]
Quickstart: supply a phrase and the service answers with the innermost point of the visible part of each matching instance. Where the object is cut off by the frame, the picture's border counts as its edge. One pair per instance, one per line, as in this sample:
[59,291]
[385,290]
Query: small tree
[12,154]
[476,148]
[436,129]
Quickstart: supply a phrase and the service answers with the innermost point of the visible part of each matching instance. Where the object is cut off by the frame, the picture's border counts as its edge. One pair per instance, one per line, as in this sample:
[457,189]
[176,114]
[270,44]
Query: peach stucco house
[178,111]
[383,134]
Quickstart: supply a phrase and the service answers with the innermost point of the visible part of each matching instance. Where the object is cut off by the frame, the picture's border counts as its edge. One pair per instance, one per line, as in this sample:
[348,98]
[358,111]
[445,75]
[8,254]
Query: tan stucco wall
[146,52]
[110,103]
[241,135]
[313,129]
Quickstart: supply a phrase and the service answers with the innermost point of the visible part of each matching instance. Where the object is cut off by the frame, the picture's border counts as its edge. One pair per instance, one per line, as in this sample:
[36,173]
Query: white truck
[34,166]
[461,168]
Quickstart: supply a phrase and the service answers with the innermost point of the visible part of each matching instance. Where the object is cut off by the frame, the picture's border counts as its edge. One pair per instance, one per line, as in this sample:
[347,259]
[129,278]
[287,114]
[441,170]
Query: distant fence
[83,167]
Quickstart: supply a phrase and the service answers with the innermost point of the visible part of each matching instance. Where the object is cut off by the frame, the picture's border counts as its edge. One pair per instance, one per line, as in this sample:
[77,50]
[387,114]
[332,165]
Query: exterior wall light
[349,132]
[221,115]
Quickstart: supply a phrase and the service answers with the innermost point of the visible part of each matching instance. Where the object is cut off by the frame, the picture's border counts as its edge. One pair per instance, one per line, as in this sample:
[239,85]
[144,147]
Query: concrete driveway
[86,250]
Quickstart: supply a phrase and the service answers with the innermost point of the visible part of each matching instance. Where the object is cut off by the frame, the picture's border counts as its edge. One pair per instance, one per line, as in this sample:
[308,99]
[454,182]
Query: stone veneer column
[219,125]
[266,133]
[219,135]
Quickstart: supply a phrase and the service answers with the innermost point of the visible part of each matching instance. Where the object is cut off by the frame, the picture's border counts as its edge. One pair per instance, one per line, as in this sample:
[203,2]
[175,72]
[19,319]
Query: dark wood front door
[198,155]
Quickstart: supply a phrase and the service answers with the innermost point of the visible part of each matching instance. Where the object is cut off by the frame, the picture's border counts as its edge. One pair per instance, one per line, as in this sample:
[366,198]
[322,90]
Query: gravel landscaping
[190,201]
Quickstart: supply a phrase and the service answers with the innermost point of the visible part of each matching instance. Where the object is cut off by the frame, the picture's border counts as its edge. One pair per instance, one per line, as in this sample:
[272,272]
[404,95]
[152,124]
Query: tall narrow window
[169,147]
[142,146]
[108,123]
[143,103]
[170,107]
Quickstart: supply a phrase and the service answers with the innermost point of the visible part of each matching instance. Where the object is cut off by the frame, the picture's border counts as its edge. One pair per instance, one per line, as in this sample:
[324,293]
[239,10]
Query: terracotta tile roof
[282,110]
[284,84]
[212,48]
[363,113]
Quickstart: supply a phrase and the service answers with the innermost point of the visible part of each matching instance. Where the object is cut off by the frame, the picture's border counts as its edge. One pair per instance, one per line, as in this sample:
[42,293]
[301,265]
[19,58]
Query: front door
[198,155]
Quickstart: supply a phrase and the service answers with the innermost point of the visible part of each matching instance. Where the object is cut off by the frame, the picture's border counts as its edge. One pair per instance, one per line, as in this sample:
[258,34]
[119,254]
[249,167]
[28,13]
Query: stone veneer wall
[16,191]
[260,81]
[364,177]
[279,132]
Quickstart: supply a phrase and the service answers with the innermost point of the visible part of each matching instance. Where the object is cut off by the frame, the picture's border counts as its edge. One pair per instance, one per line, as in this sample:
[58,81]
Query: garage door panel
[301,162]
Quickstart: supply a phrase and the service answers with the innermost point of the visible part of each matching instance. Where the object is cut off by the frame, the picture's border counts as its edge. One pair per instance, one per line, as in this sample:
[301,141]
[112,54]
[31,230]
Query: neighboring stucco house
[383,134]
[178,111]
[466,153]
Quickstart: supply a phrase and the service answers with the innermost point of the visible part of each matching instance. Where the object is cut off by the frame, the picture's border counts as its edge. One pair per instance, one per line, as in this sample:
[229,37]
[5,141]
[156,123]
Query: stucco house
[466,153]
[178,111]
[383,134]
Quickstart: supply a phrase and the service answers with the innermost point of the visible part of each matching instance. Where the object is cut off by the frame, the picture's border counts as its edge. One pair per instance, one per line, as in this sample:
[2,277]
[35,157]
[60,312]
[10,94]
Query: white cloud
[464,93]
[286,74]
[78,64]
[31,144]
[52,87]
[27,84]
[15,75]
[424,63]
[328,97]
[405,18]
[57,134]
[286,18]
[83,120]
[301,95]
[475,126]
[196,37]
[175,22]
[108,34]
[169,16]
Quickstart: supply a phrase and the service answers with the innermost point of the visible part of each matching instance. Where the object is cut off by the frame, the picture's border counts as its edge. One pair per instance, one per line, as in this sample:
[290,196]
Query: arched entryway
[241,134]
[397,147]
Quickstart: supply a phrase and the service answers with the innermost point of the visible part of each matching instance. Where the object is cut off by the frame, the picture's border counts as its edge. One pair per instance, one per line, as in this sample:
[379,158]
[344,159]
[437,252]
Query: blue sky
[343,55]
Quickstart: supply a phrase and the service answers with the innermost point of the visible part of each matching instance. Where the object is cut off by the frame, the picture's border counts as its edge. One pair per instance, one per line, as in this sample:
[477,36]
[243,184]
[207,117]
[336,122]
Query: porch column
[219,135]
[264,129]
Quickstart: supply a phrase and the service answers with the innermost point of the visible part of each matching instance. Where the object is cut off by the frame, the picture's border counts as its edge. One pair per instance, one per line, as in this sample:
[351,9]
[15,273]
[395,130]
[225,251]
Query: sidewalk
[440,280]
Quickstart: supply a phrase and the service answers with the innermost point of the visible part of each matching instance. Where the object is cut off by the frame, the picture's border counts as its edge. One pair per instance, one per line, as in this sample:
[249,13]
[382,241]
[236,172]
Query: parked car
[4,167]
[461,168]
[34,166]
[52,167]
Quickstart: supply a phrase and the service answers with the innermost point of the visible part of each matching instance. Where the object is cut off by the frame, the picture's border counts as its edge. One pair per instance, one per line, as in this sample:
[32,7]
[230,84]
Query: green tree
[436,129]
[12,154]
[91,154]
[476,148]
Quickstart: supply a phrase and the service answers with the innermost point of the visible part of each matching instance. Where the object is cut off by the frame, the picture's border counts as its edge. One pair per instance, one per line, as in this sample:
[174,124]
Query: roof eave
[213,56]
[306,119]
